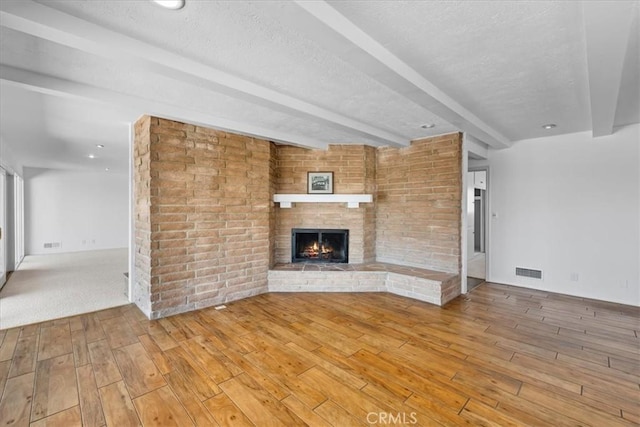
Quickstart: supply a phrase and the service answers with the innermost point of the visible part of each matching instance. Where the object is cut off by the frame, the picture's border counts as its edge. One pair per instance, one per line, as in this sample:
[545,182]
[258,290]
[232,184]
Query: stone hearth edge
[430,286]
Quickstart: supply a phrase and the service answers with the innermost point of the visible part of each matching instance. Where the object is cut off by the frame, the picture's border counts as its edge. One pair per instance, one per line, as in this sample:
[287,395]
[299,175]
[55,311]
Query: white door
[3,227]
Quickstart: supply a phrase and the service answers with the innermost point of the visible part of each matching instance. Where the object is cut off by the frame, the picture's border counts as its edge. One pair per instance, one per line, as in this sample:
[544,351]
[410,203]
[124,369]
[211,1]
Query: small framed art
[320,182]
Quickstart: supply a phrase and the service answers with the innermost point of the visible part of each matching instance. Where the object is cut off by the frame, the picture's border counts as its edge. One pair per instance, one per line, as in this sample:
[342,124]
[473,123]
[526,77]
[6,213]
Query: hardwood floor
[497,356]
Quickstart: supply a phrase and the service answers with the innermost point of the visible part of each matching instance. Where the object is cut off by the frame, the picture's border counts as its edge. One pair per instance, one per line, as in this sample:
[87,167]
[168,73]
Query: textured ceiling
[515,55]
[310,73]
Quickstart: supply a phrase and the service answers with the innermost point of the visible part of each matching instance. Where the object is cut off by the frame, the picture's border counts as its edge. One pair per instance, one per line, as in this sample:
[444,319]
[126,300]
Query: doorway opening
[75,235]
[477,180]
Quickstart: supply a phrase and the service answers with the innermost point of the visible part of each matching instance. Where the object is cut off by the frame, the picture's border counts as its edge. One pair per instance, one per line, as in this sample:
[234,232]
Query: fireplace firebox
[319,245]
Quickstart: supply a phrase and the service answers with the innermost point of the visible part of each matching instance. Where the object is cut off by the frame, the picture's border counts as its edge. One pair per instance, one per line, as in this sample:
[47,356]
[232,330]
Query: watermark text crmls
[391,418]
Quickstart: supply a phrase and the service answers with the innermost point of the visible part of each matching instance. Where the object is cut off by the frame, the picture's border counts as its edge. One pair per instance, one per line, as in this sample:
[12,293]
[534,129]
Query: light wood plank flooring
[498,356]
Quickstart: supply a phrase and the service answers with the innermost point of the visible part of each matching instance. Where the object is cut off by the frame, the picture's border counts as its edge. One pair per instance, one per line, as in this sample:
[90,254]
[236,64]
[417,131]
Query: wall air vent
[527,272]
[52,245]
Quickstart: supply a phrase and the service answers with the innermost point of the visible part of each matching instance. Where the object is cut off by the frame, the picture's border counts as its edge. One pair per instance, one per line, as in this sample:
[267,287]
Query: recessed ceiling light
[428,126]
[170,4]
[100,146]
[92,156]
[549,126]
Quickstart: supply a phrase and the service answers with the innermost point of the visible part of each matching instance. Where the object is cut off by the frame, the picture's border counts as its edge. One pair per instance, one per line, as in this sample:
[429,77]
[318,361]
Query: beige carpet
[47,287]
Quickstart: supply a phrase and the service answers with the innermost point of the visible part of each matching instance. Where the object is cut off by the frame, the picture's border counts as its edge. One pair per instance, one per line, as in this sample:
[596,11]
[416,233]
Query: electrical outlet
[574,277]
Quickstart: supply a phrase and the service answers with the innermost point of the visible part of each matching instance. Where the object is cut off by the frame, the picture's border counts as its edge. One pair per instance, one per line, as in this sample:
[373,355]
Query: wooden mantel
[352,200]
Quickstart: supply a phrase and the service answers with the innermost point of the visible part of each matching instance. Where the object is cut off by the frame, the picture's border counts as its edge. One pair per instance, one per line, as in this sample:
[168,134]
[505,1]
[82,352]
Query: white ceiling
[73,74]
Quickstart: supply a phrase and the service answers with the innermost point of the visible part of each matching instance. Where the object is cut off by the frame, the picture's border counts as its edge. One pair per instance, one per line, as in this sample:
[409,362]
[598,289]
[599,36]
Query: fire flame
[317,251]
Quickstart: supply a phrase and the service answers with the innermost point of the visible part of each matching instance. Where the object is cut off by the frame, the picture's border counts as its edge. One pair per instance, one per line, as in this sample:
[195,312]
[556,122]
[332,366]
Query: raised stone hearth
[425,285]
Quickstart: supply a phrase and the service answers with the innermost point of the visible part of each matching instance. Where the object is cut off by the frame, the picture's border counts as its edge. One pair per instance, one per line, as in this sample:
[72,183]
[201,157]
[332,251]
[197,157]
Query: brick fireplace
[208,231]
[353,169]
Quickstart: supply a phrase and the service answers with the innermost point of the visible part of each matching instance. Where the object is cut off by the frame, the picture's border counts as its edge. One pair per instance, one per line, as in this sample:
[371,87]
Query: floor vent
[527,272]
[52,245]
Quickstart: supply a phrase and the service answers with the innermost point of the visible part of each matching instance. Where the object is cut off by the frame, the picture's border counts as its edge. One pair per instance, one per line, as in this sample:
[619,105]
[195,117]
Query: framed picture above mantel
[320,182]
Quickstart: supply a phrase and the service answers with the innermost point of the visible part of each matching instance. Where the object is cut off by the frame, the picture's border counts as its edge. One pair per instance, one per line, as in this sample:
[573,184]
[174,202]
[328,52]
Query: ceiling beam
[64,88]
[45,22]
[377,61]
[607,27]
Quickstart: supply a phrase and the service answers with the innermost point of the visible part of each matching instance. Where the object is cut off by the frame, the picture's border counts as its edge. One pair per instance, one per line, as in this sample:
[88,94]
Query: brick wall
[273,165]
[141,290]
[208,223]
[418,204]
[353,167]
[369,223]
[207,230]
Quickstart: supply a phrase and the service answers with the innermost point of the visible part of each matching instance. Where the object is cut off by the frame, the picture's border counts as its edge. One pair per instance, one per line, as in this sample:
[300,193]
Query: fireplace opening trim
[319,245]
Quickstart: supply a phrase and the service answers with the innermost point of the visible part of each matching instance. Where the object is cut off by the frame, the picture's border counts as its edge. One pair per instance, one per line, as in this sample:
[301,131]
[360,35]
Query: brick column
[203,216]
[141,292]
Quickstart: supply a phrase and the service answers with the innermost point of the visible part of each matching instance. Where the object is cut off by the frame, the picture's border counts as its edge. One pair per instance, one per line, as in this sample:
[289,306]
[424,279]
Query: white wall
[568,205]
[81,210]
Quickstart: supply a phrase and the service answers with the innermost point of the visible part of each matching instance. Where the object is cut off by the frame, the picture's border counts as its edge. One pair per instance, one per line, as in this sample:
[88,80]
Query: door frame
[3,227]
[486,216]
